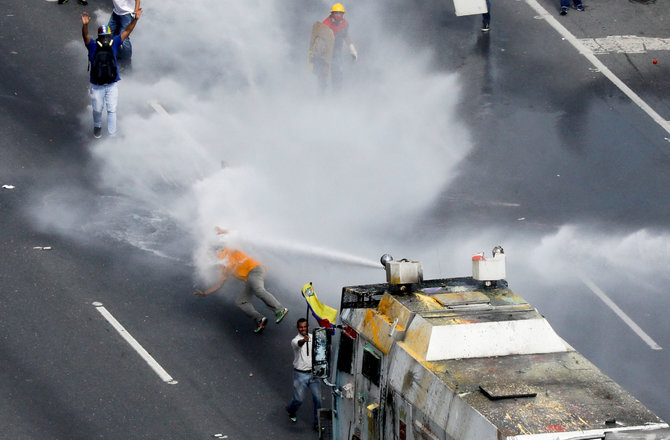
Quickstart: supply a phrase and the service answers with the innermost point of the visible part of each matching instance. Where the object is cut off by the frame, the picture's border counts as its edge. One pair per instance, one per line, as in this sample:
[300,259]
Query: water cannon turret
[489,270]
[402,271]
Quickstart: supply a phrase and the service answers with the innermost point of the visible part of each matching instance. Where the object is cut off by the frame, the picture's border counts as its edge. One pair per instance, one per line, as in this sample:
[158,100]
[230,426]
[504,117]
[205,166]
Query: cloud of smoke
[221,123]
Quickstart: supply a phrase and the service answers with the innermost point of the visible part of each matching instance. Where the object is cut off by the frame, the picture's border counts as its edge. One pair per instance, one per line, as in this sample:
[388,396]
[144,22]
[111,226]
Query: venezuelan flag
[324,314]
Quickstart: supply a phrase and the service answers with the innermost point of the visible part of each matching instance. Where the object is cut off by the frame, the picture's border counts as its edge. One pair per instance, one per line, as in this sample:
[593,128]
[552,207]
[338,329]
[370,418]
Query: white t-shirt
[123,7]
[301,361]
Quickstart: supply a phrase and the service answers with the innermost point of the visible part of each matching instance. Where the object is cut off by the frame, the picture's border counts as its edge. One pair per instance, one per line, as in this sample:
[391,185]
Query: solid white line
[606,299]
[588,54]
[136,345]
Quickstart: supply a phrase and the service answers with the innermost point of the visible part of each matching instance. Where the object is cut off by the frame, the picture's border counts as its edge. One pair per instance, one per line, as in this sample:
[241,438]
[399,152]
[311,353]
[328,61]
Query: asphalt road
[555,146]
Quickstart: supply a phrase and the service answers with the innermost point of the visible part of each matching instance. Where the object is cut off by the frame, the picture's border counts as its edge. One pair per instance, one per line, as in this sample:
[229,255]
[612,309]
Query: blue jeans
[486,18]
[101,95]
[302,381]
[565,4]
[117,24]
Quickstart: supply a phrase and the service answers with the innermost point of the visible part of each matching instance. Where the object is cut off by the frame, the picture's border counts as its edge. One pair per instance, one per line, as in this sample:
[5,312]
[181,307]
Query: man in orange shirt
[250,271]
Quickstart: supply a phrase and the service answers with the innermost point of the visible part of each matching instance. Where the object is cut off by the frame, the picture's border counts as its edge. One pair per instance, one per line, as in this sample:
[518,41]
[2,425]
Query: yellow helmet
[337,7]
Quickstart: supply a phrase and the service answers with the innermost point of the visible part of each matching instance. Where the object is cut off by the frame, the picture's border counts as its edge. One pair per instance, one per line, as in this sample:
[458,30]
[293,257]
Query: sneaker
[291,416]
[280,314]
[486,27]
[564,11]
[83,2]
[580,8]
[97,131]
[260,324]
[62,2]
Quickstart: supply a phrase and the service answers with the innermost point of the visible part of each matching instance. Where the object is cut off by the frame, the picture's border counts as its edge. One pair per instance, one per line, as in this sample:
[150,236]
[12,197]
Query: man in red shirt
[340,27]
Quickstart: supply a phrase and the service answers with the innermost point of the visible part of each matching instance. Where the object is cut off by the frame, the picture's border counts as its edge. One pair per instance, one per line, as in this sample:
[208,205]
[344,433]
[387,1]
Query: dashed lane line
[620,313]
[135,345]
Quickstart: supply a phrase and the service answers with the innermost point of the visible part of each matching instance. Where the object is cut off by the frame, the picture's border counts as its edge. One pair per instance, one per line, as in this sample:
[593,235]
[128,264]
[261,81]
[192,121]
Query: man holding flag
[302,354]
[302,373]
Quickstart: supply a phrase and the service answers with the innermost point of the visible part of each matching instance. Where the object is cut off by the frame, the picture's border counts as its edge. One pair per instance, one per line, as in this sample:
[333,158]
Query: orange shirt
[237,263]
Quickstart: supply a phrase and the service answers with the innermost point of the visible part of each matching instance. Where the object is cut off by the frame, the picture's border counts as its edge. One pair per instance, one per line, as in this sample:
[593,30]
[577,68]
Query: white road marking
[136,345]
[588,54]
[158,108]
[483,202]
[625,44]
[606,299]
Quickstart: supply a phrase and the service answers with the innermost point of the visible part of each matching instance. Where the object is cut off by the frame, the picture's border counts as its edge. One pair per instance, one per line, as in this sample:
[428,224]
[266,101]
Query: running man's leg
[243,301]
[256,282]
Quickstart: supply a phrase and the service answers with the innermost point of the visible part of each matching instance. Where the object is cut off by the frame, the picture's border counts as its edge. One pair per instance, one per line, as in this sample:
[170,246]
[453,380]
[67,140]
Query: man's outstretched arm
[222,280]
[85,19]
[132,24]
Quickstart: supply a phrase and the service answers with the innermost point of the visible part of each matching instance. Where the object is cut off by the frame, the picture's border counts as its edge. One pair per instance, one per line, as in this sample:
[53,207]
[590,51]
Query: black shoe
[564,11]
[62,2]
[486,28]
[97,131]
[83,2]
[291,416]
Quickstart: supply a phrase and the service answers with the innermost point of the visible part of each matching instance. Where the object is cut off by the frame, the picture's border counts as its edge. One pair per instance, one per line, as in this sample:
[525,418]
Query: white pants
[101,95]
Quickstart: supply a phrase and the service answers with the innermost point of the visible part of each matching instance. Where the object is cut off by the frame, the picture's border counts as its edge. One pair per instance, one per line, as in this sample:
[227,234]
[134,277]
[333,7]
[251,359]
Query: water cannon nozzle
[385,259]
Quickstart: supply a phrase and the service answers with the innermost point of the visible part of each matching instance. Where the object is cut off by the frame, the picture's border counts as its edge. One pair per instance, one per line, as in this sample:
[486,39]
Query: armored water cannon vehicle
[463,359]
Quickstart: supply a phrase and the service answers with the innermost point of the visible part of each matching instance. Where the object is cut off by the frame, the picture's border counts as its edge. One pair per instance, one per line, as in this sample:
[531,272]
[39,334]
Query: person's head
[222,242]
[227,238]
[302,326]
[104,33]
[337,11]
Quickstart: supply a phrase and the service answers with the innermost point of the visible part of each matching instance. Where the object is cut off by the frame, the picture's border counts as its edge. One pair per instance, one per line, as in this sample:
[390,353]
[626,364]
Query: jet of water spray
[244,240]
